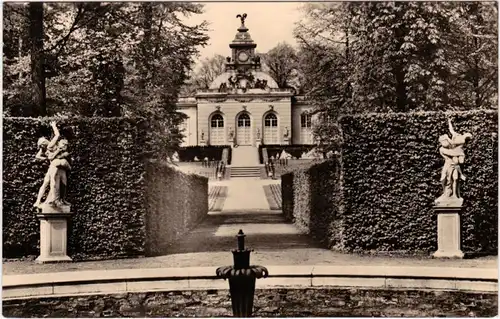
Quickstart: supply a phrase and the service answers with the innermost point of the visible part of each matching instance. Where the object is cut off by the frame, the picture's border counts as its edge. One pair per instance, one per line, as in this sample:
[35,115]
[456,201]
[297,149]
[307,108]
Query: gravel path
[275,241]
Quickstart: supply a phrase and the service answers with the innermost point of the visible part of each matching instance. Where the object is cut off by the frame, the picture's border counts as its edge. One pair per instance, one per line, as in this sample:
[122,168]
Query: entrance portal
[271,129]
[217,136]
[243,133]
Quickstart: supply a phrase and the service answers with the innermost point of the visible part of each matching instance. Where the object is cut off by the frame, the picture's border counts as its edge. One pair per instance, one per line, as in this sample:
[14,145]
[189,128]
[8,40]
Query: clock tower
[243,57]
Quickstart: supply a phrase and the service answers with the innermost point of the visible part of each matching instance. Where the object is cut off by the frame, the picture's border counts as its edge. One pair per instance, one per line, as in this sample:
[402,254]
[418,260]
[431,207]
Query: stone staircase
[245,156]
[245,171]
[245,162]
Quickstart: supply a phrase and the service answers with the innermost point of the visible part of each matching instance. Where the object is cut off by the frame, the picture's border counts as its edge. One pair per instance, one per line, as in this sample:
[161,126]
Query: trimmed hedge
[106,186]
[390,178]
[176,203]
[311,200]
[275,150]
[212,152]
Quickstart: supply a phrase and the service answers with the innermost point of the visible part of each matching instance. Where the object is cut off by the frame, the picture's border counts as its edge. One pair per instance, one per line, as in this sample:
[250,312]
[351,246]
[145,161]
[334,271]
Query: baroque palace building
[244,106]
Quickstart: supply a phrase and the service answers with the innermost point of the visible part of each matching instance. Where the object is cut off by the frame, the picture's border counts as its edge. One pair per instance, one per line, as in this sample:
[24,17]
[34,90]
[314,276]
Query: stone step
[245,171]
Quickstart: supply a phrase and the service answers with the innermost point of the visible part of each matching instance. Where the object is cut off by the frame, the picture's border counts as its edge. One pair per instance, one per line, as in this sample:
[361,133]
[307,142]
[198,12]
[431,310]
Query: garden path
[245,194]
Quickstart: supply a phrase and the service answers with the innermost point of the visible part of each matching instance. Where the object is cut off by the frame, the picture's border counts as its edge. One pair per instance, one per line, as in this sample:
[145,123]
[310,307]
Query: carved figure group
[452,151]
[260,84]
[56,152]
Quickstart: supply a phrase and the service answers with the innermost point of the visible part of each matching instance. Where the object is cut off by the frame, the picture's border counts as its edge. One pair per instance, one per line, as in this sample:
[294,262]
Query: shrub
[176,203]
[105,186]
[275,150]
[311,198]
[108,187]
[382,199]
[287,195]
[212,152]
[392,168]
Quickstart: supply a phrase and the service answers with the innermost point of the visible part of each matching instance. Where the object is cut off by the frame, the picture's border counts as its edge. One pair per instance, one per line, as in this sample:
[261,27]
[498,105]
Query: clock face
[243,56]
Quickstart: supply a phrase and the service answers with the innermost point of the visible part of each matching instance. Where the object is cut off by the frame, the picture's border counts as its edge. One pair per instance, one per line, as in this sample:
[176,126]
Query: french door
[243,133]
[271,135]
[217,130]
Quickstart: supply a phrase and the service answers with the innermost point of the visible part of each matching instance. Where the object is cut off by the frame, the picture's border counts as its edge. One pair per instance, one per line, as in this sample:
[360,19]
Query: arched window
[217,134]
[271,135]
[217,121]
[271,120]
[243,120]
[305,120]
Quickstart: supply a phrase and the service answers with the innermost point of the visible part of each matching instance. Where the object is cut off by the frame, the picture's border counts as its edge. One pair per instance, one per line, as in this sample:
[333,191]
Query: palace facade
[245,106]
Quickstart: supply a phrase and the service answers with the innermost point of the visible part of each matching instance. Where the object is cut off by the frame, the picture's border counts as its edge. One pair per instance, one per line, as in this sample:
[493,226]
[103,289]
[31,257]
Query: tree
[37,57]
[397,56]
[281,63]
[201,78]
[473,50]
[103,59]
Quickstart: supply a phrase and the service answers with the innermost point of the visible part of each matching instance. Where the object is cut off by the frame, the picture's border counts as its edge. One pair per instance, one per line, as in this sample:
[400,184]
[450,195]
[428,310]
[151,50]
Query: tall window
[217,135]
[305,120]
[244,130]
[271,120]
[217,121]
[243,120]
[271,135]
[306,136]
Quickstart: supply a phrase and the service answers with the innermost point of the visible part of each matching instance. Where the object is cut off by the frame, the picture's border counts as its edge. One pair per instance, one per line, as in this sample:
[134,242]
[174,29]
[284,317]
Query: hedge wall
[382,198]
[311,199]
[110,188]
[212,152]
[275,150]
[392,168]
[176,203]
[106,186]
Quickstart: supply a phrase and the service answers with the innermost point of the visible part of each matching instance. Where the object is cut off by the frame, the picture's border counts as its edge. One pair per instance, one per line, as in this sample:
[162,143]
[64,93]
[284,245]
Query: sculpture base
[449,229]
[53,233]
[451,202]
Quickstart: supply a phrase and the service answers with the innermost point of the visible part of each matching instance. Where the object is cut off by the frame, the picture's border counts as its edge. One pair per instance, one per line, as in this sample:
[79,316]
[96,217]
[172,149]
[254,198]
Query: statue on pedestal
[55,211]
[452,151]
[56,153]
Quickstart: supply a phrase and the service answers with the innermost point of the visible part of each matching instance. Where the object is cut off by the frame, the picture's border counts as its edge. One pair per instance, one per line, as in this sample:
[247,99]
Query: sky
[268,22]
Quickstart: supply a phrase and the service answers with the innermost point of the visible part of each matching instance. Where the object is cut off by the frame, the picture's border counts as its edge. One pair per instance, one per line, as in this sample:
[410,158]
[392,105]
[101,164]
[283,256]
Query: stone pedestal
[449,229]
[53,233]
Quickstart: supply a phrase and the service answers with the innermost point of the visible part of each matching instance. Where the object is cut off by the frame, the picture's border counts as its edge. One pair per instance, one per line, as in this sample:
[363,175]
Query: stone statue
[258,134]
[56,153]
[286,132]
[232,82]
[242,18]
[451,174]
[231,133]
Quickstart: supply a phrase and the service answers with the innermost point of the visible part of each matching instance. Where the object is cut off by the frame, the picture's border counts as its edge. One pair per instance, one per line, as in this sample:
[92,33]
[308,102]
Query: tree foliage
[101,59]
[281,64]
[210,68]
[397,57]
